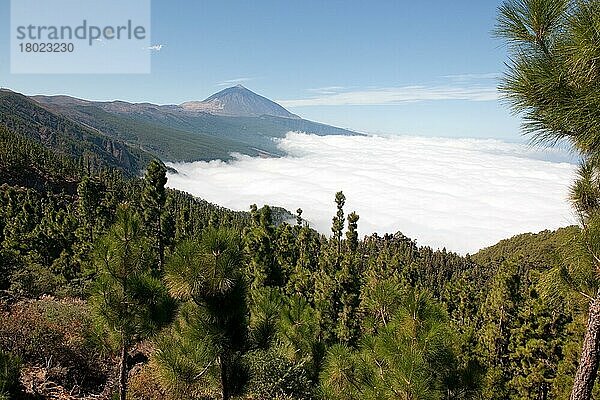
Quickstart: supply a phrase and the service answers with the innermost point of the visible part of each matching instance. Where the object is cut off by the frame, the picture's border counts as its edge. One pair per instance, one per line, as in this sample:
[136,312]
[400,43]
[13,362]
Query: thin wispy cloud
[462,194]
[473,77]
[397,95]
[156,47]
[327,89]
[235,81]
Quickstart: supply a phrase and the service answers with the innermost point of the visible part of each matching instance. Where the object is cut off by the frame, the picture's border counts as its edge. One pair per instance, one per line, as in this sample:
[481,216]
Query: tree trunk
[161,245]
[225,377]
[588,364]
[543,395]
[161,256]
[123,373]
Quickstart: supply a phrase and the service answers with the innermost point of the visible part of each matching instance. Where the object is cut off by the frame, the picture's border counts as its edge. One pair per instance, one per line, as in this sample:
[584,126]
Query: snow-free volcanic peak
[239,101]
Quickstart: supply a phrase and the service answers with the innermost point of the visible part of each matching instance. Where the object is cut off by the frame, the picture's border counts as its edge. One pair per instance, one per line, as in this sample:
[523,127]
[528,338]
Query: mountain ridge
[247,123]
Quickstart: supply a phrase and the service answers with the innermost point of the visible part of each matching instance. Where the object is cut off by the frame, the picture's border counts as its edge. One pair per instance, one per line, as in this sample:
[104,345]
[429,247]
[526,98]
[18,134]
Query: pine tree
[127,300]
[576,279]
[208,276]
[299,334]
[347,278]
[183,224]
[337,281]
[499,314]
[338,221]
[411,357]
[264,269]
[153,207]
[352,234]
[535,348]
[553,80]
[299,217]
[302,278]
[89,197]
[286,252]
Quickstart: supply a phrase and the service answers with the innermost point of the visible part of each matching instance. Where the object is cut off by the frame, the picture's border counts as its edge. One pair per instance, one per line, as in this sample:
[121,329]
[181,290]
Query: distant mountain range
[234,120]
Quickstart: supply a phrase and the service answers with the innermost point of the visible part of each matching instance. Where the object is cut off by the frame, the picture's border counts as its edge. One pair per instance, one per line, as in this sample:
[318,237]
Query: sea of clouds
[462,194]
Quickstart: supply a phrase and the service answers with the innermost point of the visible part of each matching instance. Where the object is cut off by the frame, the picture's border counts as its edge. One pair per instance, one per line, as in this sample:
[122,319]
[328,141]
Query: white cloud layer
[337,96]
[462,194]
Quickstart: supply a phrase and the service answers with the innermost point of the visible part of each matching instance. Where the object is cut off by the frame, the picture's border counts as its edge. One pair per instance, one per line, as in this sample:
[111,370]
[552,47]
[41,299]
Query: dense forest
[114,286]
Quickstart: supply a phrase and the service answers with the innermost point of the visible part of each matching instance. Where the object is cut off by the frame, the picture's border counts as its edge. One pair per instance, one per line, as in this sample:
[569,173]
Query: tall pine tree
[153,208]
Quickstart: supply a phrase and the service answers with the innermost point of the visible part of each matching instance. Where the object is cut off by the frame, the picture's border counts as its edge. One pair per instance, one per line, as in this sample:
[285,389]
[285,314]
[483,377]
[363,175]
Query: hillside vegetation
[222,304]
[66,137]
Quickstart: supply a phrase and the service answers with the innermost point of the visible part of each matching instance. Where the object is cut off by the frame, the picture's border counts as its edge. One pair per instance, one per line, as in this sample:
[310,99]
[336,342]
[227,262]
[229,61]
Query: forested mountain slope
[28,119]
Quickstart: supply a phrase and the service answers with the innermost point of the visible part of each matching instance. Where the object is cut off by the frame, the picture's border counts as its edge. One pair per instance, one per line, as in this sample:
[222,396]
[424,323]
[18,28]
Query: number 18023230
[46,47]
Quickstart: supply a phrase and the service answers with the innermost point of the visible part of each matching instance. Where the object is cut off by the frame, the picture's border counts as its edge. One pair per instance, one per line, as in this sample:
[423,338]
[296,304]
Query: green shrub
[34,280]
[10,367]
[273,376]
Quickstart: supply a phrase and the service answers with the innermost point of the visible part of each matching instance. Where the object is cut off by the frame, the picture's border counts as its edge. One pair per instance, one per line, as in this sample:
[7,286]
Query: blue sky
[411,67]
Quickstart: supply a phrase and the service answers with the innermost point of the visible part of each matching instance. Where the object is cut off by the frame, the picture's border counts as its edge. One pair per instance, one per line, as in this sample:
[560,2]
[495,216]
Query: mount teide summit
[239,101]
